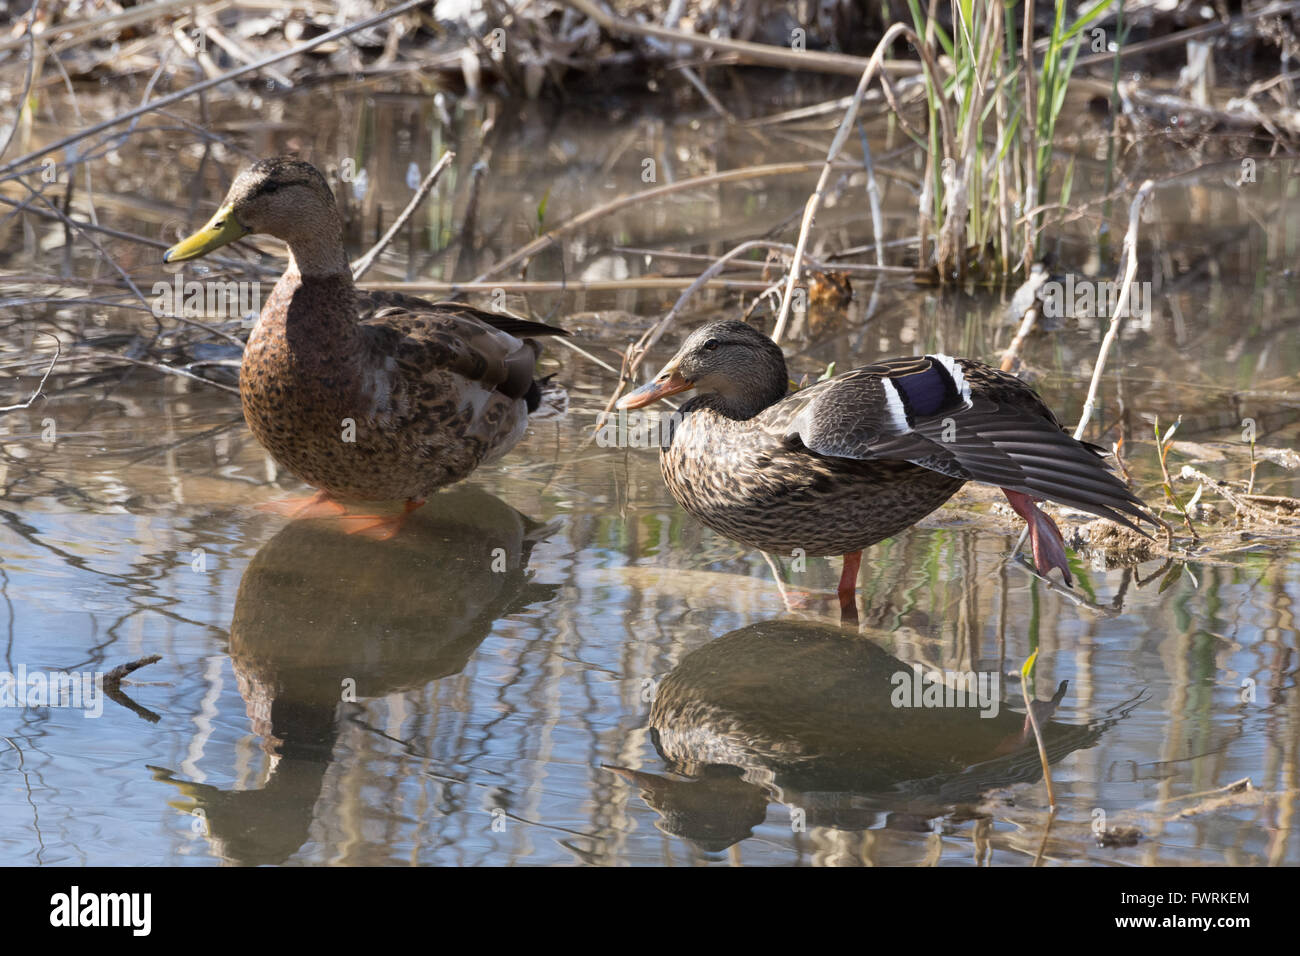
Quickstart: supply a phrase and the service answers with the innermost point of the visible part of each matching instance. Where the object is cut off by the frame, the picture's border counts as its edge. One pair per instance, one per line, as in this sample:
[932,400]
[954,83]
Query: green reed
[988,189]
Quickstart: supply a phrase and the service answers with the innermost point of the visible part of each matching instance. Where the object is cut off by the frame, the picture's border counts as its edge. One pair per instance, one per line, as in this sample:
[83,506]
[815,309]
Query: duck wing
[428,339]
[960,418]
[371,303]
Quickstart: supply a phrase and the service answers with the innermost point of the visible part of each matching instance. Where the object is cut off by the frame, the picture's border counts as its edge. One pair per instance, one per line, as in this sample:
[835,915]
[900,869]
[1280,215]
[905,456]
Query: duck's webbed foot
[1044,535]
[319,505]
[379,527]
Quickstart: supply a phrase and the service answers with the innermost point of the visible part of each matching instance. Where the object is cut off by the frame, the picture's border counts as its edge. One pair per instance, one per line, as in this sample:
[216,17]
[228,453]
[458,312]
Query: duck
[365,396]
[833,468]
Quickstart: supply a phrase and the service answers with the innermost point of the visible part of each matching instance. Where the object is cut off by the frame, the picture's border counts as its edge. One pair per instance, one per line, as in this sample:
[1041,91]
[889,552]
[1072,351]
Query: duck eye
[270,187]
[711,344]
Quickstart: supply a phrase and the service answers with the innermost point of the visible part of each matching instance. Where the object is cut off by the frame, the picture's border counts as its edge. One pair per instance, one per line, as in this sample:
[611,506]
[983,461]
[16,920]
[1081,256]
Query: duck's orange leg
[380,527]
[1044,535]
[319,505]
[848,589]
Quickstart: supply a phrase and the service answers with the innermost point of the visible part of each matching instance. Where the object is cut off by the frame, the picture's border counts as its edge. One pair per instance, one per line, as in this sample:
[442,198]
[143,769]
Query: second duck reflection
[784,711]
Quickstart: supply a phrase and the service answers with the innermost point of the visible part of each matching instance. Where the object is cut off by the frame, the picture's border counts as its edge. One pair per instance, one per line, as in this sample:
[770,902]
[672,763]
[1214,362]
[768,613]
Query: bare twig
[41,385]
[362,265]
[1121,305]
[210,83]
[235,50]
[1245,502]
[165,369]
[614,205]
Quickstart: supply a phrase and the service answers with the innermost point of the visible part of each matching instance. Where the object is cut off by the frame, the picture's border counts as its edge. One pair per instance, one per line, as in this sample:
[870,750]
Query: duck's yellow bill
[222,228]
[668,382]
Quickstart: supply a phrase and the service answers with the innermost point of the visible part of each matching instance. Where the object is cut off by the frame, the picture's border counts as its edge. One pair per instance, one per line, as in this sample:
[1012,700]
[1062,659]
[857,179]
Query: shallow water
[552,664]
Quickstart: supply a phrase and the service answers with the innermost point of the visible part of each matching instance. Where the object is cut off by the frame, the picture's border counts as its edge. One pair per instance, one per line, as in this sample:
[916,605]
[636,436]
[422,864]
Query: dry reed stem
[1029,132]
[1121,305]
[58,349]
[841,135]
[621,202]
[115,676]
[525,287]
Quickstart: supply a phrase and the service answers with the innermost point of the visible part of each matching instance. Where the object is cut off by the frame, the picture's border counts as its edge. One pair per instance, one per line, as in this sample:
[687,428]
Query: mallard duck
[365,395]
[835,467]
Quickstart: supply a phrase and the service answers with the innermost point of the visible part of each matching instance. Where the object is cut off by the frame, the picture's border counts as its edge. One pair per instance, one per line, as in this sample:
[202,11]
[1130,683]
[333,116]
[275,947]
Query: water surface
[553,664]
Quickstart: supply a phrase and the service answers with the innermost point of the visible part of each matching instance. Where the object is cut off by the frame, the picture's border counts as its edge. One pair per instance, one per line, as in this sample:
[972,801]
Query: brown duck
[365,395]
[849,461]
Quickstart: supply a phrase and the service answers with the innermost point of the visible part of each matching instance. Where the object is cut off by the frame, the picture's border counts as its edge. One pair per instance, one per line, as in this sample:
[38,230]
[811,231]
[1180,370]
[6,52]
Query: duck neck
[319,254]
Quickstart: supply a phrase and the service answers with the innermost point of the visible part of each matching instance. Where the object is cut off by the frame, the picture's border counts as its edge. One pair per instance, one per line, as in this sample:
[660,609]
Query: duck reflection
[322,617]
[812,716]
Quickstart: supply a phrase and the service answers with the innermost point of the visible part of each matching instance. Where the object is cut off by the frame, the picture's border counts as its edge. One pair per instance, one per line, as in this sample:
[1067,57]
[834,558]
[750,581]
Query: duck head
[282,197]
[735,369]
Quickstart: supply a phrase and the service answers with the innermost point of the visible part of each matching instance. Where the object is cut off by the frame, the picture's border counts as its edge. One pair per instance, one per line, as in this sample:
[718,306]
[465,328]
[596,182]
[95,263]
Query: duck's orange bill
[668,382]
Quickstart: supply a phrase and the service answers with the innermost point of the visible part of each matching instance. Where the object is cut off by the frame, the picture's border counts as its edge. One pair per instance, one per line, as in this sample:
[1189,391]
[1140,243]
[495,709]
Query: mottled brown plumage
[847,462]
[364,395]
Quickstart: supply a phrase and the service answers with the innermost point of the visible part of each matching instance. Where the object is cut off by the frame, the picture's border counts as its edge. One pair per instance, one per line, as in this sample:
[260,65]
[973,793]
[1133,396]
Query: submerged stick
[114,677]
[1013,350]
